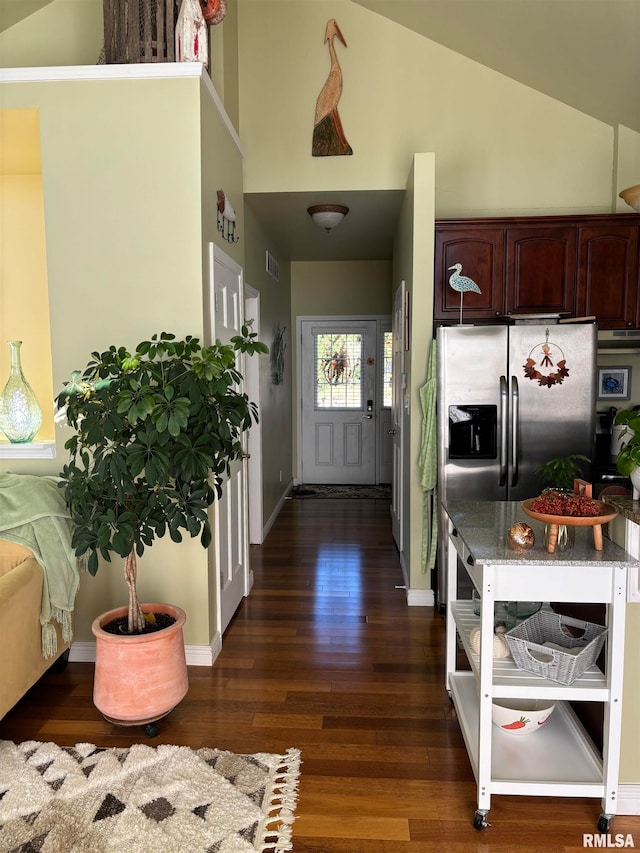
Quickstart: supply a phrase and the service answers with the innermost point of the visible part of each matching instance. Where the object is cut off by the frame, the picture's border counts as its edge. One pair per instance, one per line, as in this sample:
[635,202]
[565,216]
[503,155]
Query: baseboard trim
[270,521]
[628,800]
[420,598]
[196,655]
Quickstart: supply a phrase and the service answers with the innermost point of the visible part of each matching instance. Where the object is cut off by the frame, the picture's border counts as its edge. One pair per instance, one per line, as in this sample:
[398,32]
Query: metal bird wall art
[462,283]
[328,135]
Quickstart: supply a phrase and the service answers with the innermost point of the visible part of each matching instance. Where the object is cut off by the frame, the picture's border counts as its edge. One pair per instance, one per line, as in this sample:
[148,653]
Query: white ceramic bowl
[521,716]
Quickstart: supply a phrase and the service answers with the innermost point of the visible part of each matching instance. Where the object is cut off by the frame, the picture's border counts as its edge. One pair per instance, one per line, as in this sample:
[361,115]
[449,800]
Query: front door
[230,511]
[339,406]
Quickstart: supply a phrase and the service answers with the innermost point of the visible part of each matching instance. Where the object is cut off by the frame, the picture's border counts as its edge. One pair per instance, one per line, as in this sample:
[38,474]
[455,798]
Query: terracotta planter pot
[139,678]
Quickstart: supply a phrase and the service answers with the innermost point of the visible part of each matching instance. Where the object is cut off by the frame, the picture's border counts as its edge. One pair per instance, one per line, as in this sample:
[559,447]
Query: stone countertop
[484,526]
[627,507]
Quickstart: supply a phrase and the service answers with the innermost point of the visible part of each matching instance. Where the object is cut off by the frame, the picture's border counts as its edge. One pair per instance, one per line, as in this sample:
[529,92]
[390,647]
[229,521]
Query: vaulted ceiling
[584,53]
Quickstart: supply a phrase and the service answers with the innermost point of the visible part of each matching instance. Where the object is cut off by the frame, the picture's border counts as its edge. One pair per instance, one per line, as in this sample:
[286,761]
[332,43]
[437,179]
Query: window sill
[33,450]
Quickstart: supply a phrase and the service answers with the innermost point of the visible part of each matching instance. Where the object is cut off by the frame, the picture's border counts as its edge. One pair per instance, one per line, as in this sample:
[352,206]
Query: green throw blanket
[428,462]
[34,514]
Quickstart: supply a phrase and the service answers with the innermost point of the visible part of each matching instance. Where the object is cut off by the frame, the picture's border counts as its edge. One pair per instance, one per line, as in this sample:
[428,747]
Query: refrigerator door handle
[515,415]
[503,431]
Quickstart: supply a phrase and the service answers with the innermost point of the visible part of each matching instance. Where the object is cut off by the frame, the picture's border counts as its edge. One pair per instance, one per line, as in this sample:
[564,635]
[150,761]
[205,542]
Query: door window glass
[387,361]
[338,362]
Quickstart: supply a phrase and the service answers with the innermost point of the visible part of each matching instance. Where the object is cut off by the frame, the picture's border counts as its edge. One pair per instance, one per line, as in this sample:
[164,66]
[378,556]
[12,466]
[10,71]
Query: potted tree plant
[155,433]
[628,458]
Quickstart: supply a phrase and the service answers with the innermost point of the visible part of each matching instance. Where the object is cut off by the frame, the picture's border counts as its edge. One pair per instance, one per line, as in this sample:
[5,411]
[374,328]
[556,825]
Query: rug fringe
[281,806]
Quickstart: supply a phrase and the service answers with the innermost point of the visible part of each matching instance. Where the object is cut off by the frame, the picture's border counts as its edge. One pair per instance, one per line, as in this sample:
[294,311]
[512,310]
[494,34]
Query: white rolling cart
[560,759]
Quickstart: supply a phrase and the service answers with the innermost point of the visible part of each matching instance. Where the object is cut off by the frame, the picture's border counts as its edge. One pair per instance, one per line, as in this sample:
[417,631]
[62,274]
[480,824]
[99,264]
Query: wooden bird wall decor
[328,136]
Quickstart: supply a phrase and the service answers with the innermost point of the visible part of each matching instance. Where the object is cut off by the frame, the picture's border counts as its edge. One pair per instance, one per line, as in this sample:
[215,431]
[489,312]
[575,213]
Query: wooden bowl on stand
[607,512]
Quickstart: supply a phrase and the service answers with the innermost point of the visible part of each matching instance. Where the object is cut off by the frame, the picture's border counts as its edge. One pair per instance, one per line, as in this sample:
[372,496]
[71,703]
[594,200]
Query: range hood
[619,340]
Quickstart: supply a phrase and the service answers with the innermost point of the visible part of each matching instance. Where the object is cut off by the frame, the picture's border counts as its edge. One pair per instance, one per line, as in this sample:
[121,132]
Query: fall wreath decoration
[543,356]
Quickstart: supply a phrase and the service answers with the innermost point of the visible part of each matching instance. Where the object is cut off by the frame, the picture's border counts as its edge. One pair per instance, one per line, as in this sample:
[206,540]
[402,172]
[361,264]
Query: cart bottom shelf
[558,760]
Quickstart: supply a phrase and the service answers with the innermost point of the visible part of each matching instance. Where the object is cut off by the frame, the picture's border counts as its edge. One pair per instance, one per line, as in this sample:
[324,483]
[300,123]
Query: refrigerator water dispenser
[473,432]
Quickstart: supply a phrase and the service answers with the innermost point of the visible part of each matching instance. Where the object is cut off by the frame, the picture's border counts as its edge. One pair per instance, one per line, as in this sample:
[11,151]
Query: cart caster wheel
[604,824]
[151,730]
[480,820]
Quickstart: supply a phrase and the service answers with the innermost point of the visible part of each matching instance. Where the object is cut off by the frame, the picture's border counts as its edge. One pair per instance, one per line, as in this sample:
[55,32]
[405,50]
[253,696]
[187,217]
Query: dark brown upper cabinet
[481,253]
[608,274]
[573,265]
[541,269]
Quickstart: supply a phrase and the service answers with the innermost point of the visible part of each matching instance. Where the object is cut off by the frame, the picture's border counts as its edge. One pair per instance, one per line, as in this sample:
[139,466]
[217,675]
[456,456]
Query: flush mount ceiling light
[327,216]
[632,197]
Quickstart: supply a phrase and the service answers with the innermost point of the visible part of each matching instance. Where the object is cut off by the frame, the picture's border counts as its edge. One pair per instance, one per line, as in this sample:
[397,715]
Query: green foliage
[561,472]
[155,433]
[629,453]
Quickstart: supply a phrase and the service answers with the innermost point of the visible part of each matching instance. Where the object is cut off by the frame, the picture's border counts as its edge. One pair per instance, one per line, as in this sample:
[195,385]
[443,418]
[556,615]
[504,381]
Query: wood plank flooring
[326,656]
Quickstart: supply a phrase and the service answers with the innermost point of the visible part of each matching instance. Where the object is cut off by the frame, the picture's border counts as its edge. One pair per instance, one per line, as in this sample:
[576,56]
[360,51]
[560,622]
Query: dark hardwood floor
[326,656]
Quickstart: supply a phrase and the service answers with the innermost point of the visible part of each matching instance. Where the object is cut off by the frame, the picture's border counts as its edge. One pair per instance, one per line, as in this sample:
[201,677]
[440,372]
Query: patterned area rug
[382,492]
[169,799]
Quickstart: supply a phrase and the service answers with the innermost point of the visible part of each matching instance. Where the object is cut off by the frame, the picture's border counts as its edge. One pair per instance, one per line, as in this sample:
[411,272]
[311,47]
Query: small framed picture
[614,383]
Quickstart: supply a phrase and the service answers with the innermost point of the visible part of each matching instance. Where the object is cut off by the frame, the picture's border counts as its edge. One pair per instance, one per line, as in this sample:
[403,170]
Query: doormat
[382,492]
[85,799]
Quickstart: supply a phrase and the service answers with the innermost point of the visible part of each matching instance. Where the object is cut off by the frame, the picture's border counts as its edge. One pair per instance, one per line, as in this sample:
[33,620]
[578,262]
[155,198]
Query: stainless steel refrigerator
[510,398]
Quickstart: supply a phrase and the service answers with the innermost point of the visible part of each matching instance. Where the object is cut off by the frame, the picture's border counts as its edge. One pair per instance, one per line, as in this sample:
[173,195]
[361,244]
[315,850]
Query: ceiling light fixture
[327,216]
[632,197]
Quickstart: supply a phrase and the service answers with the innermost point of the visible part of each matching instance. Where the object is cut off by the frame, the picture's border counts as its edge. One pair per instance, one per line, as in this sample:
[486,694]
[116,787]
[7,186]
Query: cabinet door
[481,253]
[541,269]
[608,274]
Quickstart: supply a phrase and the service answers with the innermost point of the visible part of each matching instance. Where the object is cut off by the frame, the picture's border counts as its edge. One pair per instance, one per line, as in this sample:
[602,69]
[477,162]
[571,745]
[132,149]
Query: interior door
[397,382]
[339,406]
[230,511]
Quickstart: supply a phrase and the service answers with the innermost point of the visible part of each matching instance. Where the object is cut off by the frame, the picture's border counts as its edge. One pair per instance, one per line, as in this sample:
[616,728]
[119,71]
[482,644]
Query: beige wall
[123,230]
[275,399]
[413,264]
[500,147]
[64,32]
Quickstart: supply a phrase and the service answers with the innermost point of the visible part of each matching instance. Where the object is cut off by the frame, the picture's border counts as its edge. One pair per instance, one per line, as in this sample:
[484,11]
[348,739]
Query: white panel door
[339,406]
[230,511]
[398,383]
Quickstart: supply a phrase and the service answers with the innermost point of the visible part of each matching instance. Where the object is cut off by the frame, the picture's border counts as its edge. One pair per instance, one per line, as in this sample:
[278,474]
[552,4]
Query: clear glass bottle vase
[20,414]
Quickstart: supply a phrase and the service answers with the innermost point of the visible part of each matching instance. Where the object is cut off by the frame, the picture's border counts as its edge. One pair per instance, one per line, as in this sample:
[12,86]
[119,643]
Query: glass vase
[20,414]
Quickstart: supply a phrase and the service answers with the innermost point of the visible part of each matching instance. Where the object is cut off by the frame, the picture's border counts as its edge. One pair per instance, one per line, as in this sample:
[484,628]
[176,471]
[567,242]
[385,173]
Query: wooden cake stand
[607,512]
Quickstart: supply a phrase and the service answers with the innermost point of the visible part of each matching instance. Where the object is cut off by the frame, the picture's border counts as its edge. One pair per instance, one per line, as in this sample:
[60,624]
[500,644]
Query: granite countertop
[626,506]
[483,526]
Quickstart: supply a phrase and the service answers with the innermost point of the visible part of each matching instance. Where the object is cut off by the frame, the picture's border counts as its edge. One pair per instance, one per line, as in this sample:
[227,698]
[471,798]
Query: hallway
[326,656]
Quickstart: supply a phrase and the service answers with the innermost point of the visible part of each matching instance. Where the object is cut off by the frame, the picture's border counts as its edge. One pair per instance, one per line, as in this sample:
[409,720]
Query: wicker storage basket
[527,645]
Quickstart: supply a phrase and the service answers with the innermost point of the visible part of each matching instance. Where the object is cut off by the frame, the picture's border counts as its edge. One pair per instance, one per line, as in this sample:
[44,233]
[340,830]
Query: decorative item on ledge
[327,216]
[213,11]
[20,414]
[632,197]
[226,218]
[139,30]
[192,44]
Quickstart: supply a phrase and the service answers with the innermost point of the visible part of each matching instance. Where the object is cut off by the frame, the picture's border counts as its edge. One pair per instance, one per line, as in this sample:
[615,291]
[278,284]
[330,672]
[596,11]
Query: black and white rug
[142,799]
[382,492]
